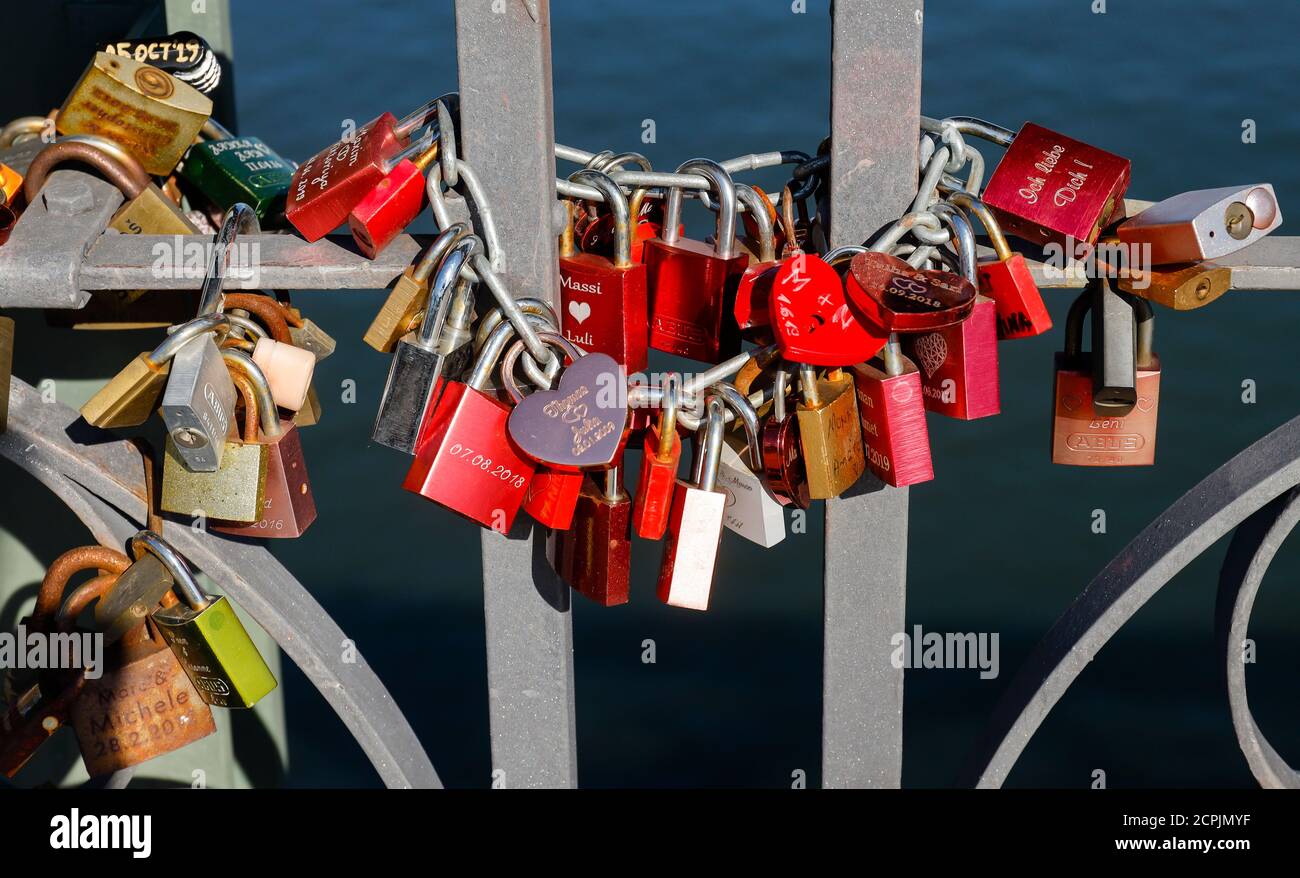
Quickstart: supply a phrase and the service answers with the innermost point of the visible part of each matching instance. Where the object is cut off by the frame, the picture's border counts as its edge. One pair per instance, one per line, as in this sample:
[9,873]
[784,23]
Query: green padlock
[225,170]
[205,634]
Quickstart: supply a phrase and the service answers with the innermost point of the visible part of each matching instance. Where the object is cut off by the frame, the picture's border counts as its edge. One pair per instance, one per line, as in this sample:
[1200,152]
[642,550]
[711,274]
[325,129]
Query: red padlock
[892,413]
[751,308]
[603,302]
[597,235]
[595,555]
[394,203]
[959,363]
[811,317]
[693,286]
[326,187]
[467,462]
[1021,310]
[659,460]
[552,497]
[1050,188]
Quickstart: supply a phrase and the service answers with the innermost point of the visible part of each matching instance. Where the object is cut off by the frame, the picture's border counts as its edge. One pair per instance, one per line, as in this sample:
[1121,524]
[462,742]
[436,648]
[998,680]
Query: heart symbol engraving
[894,296]
[811,319]
[579,311]
[932,351]
[1070,402]
[1145,404]
[578,425]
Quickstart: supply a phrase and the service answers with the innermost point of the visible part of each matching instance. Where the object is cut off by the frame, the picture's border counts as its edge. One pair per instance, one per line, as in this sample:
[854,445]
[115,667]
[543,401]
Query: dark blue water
[1000,541]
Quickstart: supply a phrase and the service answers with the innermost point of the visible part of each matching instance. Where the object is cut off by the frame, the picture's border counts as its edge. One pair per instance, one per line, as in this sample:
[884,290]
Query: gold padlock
[830,433]
[1179,287]
[152,114]
[132,394]
[236,491]
[402,308]
[309,414]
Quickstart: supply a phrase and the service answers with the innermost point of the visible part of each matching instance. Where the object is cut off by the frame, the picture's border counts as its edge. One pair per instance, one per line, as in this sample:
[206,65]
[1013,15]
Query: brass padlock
[132,394]
[236,490]
[401,310]
[829,432]
[1179,287]
[206,635]
[152,114]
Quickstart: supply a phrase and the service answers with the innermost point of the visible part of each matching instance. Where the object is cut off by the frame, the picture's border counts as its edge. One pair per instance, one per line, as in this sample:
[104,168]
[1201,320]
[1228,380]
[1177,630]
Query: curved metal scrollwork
[101,480]
[1246,487]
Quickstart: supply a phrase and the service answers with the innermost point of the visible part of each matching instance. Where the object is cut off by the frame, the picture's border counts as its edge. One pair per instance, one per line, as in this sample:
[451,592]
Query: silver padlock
[752,509]
[1203,224]
[199,401]
[417,365]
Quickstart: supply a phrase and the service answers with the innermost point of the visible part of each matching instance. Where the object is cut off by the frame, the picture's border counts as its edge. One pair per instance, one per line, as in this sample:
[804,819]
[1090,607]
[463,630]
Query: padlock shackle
[250,326]
[267,414]
[527,305]
[780,388]
[548,336]
[892,356]
[1074,325]
[746,414]
[759,211]
[214,130]
[611,487]
[616,201]
[709,453]
[131,179]
[808,384]
[724,242]
[992,228]
[420,151]
[240,219]
[981,128]
[669,400]
[183,581]
[420,116]
[567,246]
[1145,316]
[964,237]
[447,282]
[435,252]
[185,333]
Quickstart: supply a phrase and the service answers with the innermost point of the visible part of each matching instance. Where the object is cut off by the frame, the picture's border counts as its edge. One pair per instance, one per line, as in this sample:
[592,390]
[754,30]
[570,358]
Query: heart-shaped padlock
[579,425]
[890,294]
[811,319]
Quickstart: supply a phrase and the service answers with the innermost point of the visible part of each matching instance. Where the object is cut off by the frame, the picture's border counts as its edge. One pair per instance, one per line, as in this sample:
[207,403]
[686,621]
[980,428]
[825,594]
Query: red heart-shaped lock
[892,295]
[811,319]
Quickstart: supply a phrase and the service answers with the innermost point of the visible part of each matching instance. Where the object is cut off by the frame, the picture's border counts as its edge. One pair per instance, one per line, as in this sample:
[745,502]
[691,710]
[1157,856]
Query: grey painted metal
[1253,547]
[1267,469]
[102,482]
[41,264]
[875,117]
[507,133]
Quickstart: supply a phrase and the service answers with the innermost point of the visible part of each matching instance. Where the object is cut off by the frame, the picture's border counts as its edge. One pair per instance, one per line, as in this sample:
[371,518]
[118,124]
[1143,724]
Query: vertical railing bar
[875,105]
[507,133]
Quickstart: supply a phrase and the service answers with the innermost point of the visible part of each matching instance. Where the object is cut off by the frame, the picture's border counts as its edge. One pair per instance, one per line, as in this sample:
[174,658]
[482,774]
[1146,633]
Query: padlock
[401,309]
[141,707]
[226,170]
[1181,287]
[205,635]
[594,556]
[415,378]
[6,368]
[959,363]
[692,286]
[236,491]
[695,523]
[751,308]
[1203,224]
[310,413]
[147,210]
[197,405]
[153,115]
[184,54]
[829,432]
[1050,188]
[752,510]
[38,703]
[597,235]
[892,416]
[1114,348]
[465,460]
[288,507]
[603,302]
[326,187]
[783,464]
[893,296]
[1020,307]
[660,454]
[132,394]
[759,212]
[1084,434]
[396,200]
